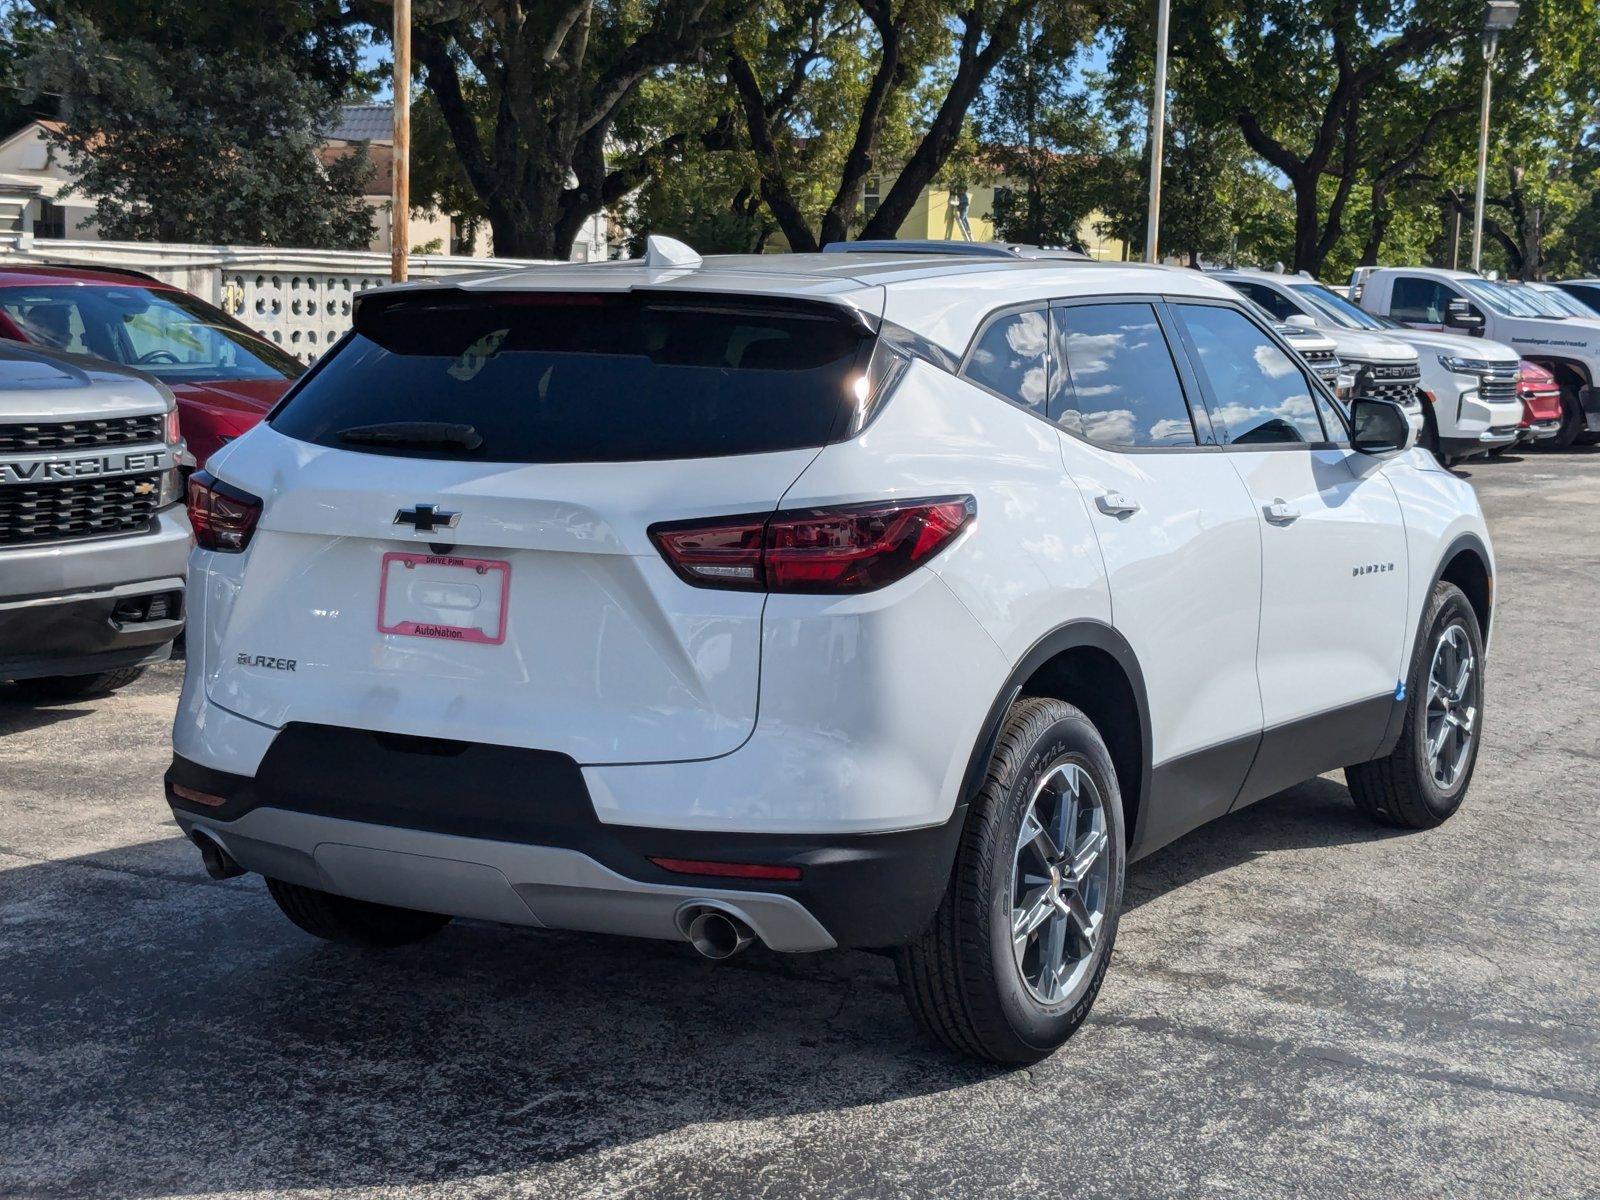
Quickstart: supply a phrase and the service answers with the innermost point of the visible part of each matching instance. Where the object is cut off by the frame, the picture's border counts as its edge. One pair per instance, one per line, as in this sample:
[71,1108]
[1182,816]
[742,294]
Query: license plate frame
[408,625]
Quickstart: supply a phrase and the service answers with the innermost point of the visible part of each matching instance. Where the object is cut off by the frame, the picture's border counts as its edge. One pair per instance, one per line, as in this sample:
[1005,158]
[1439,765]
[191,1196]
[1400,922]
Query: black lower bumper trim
[869,890]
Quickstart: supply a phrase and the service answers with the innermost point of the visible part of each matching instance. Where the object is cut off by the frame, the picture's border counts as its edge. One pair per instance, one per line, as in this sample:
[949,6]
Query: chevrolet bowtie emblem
[425,518]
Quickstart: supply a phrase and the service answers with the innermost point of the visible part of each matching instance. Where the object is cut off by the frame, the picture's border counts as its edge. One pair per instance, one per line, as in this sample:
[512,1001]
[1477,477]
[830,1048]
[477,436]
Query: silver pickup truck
[93,541]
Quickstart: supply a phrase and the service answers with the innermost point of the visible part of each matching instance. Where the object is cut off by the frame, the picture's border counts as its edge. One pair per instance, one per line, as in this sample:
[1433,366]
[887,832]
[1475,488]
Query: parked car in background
[1541,405]
[1568,347]
[1383,367]
[225,376]
[93,542]
[849,599]
[1559,303]
[1585,291]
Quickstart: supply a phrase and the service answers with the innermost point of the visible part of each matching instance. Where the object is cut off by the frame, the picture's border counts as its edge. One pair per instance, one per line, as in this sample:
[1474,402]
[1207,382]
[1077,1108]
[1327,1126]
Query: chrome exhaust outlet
[219,864]
[714,933]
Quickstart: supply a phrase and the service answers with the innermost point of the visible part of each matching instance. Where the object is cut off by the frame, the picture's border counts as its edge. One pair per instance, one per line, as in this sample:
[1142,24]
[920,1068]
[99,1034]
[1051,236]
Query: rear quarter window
[541,377]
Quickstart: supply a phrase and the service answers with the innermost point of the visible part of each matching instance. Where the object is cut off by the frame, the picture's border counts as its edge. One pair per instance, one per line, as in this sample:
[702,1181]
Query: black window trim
[1188,384]
[1313,383]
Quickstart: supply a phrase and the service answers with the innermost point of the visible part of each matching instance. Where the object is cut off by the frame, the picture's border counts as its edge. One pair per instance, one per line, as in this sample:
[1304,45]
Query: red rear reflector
[727,870]
[197,797]
[222,516]
[851,548]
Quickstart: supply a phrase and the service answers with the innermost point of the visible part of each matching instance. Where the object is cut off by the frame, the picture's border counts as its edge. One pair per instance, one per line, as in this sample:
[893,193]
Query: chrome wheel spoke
[1450,721]
[1089,850]
[1038,839]
[1058,882]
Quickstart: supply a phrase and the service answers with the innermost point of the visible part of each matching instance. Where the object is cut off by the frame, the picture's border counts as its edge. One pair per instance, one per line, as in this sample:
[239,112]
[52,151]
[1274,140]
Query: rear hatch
[453,540]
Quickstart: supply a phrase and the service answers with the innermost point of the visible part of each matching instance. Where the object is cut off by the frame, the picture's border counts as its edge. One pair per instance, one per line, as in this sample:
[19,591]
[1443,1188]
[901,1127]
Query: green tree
[1302,79]
[531,93]
[1043,137]
[834,92]
[189,144]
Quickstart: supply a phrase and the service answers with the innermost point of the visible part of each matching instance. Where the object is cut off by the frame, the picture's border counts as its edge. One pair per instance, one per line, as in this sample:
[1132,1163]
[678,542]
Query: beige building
[34,181]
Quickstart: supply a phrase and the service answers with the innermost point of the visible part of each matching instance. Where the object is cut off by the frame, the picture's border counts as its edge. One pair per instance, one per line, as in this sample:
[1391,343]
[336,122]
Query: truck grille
[54,512]
[1398,383]
[1498,384]
[74,435]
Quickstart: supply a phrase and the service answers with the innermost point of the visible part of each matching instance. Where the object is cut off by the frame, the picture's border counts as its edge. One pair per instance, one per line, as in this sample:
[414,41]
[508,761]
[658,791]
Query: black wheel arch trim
[1464,541]
[1083,633]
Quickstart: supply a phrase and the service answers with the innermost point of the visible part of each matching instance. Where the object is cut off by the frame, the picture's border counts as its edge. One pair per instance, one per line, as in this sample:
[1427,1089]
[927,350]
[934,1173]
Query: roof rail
[922,246]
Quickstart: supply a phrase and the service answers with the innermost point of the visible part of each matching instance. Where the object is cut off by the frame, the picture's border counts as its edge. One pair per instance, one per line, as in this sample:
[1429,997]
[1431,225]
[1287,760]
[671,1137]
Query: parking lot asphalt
[1300,1004]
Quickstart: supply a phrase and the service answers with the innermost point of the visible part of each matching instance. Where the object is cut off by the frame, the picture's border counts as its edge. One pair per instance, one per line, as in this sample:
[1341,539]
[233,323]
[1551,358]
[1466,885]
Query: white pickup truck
[1434,298]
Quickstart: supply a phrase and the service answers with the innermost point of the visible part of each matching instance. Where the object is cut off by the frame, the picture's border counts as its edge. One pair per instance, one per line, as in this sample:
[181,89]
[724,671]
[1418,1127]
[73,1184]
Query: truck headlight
[1464,366]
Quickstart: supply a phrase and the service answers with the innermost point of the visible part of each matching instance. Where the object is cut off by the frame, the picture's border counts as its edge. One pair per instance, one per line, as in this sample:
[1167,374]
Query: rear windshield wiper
[420,435]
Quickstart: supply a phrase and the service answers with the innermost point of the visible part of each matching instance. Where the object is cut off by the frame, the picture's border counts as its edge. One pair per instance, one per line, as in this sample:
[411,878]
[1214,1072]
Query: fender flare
[1463,541]
[1076,634]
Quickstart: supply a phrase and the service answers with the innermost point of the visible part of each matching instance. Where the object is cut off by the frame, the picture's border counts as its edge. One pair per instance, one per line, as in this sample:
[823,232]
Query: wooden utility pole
[400,206]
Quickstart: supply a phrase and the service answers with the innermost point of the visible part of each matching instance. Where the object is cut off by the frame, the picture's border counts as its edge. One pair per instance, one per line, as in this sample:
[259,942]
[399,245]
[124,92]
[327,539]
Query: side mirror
[1460,314]
[1381,426]
[1300,321]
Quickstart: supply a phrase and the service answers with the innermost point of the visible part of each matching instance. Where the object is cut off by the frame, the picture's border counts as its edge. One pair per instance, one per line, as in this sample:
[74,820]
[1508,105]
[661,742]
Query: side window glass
[1335,420]
[1260,396]
[1116,382]
[1275,302]
[1012,358]
[1421,300]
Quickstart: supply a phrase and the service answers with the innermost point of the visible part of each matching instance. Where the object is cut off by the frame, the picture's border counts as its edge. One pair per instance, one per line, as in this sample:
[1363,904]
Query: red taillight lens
[852,548]
[726,870]
[223,517]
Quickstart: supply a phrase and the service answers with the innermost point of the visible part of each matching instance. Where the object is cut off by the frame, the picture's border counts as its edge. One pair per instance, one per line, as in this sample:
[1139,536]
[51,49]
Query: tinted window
[1011,358]
[540,377]
[1259,394]
[1274,301]
[1421,300]
[1587,294]
[171,335]
[1116,384]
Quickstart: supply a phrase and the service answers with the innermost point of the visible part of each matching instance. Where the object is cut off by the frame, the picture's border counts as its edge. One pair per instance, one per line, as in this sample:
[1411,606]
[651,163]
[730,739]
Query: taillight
[223,517]
[851,548]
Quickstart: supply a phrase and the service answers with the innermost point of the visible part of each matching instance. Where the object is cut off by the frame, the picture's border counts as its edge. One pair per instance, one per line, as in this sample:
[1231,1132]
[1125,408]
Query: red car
[1541,403]
[225,376]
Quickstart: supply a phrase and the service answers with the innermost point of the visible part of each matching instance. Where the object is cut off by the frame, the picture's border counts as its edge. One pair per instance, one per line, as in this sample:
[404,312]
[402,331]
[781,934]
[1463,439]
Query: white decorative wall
[299,299]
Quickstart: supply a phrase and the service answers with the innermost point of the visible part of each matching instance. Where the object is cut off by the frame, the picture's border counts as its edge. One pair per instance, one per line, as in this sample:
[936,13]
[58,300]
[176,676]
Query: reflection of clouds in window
[982,357]
[1169,429]
[1273,362]
[1028,335]
[1033,387]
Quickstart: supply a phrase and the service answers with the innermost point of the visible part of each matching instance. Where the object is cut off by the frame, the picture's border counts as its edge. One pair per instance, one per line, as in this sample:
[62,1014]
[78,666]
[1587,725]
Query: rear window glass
[537,377]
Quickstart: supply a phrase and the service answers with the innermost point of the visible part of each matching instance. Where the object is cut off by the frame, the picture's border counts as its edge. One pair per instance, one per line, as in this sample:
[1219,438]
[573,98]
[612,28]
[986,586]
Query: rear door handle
[1280,513]
[1115,504]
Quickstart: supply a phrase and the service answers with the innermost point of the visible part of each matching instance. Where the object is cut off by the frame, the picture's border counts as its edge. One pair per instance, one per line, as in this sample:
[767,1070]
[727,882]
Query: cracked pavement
[1301,1005]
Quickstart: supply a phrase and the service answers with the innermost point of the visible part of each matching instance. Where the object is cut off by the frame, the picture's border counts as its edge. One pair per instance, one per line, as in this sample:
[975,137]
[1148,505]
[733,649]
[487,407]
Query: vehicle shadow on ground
[162,1033]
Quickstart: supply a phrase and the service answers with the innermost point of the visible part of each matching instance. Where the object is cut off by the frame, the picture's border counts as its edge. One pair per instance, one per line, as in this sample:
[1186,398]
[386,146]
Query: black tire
[959,977]
[353,922]
[1401,790]
[75,687]
[1501,451]
[1571,419]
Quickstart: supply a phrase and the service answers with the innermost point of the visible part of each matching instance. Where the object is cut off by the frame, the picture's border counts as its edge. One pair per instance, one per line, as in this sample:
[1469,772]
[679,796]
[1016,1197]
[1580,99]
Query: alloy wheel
[1452,717]
[1060,881]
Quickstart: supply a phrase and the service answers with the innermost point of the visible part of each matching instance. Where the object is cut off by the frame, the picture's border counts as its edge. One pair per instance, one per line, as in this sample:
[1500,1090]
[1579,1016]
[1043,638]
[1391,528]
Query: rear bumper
[510,835]
[73,608]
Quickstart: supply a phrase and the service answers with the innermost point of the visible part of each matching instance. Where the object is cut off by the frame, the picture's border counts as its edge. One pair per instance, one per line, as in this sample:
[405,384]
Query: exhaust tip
[219,864]
[717,935]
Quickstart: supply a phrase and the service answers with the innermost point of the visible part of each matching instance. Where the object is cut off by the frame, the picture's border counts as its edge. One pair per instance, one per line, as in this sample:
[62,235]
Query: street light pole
[1158,129]
[1498,16]
[400,200]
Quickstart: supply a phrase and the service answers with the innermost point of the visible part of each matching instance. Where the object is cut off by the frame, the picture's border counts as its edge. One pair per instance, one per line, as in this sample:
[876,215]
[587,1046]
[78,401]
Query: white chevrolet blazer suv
[880,600]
